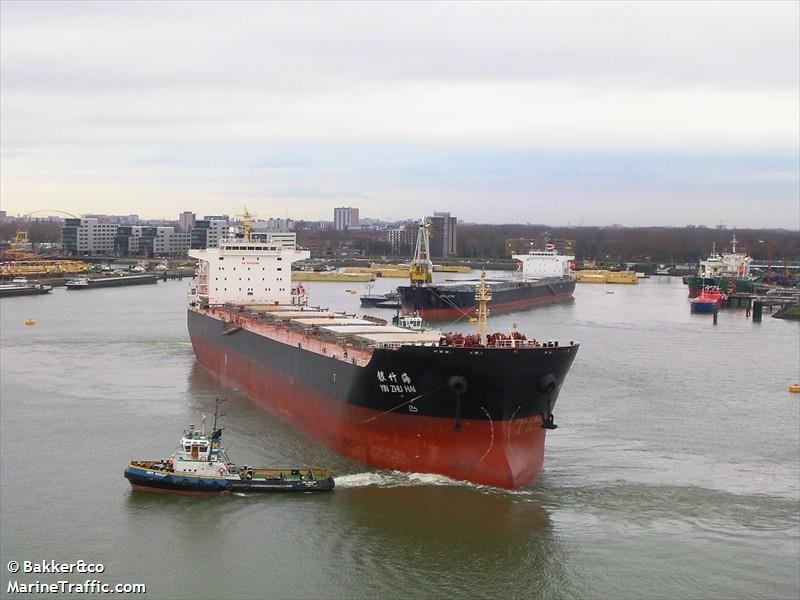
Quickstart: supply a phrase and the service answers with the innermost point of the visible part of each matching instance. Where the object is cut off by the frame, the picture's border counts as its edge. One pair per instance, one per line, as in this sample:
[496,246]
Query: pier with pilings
[756,303]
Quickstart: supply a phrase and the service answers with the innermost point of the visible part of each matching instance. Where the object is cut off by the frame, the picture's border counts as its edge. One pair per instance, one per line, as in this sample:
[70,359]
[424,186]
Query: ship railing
[398,345]
[515,344]
[307,341]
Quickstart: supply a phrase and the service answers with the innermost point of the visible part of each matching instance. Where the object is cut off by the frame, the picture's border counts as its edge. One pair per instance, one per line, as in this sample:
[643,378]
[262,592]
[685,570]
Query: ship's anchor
[548,385]
[457,385]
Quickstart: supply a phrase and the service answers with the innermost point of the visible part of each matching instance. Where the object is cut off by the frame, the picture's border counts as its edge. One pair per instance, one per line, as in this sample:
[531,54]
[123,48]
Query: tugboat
[709,300]
[201,465]
[379,300]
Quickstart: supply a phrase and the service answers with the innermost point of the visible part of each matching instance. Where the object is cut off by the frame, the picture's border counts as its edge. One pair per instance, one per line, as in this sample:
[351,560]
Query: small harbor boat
[201,465]
[709,300]
[378,300]
[87,283]
[20,286]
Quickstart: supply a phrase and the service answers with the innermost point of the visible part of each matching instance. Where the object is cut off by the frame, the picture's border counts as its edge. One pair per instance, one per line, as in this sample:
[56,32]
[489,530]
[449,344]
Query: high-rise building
[186,221]
[402,239]
[169,242]
[208,232]
[87,237]
[345,218]
[443,235]
[273,224]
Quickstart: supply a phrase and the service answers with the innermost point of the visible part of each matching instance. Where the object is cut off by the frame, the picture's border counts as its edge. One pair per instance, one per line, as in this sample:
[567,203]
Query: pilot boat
[709,300]
[201,465]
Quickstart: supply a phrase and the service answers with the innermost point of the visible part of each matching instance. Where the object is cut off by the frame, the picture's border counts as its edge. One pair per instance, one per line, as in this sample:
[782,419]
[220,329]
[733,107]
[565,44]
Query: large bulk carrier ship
[472,407]
[542,277]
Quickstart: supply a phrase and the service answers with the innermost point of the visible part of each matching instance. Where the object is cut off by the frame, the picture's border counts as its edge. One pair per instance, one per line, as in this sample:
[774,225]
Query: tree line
[652,244]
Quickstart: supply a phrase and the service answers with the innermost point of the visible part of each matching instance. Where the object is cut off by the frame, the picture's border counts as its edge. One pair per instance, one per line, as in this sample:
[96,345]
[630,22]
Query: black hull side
[22,292]
[115,282]
[507,296]
[500,384]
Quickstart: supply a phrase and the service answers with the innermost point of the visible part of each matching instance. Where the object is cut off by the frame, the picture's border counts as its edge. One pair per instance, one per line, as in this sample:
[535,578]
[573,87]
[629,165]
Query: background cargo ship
[542,277]
[22,287]
[729,271]
[88,283]
[470,407]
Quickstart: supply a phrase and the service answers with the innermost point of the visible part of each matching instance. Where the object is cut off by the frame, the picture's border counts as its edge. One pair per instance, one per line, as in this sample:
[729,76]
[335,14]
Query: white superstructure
[728,264]
[247,270]
[538,264]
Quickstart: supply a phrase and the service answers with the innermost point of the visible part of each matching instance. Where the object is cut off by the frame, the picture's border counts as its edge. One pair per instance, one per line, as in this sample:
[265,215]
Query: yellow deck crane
[421,271]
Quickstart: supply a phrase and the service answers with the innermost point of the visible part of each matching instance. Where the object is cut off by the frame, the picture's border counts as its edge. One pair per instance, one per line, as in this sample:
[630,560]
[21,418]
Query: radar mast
[246,220]
[482,296]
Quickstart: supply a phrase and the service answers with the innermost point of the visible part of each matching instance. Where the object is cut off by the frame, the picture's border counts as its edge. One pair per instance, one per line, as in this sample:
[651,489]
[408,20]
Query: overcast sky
[635,113]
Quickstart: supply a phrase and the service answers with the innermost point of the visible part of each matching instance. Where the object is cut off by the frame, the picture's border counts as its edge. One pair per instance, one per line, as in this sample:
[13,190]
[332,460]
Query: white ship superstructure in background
[728,264]
[538,264]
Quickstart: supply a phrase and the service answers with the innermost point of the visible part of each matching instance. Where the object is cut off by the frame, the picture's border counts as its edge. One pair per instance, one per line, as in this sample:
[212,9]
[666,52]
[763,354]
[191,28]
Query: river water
[674,473]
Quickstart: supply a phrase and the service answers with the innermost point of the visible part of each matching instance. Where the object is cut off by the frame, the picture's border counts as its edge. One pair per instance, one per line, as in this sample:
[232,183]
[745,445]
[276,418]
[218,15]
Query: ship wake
[393,479]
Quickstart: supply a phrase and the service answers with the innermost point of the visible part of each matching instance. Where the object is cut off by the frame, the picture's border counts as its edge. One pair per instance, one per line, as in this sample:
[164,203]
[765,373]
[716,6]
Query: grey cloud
[284,46]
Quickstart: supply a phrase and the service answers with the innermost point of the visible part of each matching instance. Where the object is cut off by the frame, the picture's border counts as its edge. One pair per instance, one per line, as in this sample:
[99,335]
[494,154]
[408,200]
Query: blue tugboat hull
[155,481]
[703,307]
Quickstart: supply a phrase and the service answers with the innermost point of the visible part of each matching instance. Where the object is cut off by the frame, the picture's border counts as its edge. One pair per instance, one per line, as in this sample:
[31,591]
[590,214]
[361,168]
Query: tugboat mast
[482,296]
[421,269]
[216,413]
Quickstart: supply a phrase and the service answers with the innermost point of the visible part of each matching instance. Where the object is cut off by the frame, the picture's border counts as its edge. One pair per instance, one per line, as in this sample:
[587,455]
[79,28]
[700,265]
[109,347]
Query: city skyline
[580,113]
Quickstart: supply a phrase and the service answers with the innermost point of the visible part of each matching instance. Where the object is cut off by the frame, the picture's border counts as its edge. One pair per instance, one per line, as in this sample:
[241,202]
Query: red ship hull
[506,454]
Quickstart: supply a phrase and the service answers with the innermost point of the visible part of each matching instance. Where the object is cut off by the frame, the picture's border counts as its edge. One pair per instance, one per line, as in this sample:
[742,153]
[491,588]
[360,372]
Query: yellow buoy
[795,388]
[30,322]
